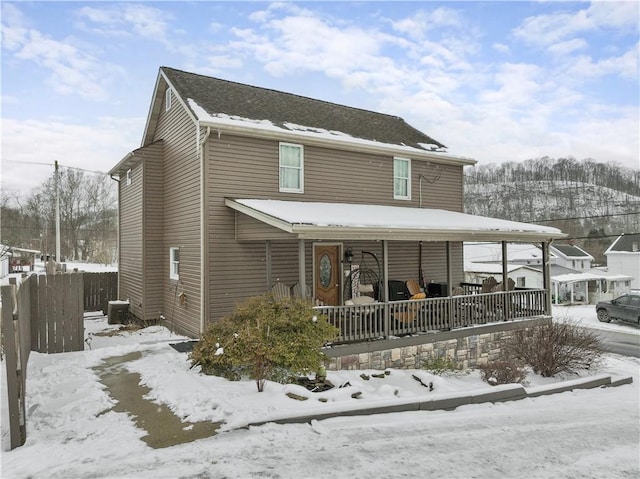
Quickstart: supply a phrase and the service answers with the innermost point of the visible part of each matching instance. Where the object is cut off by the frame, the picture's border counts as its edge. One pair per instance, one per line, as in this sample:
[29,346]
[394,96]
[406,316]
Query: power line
[59,164]
[588,217]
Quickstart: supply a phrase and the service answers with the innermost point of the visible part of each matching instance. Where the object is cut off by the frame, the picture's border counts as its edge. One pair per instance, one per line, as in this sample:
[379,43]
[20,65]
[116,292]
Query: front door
[326,262]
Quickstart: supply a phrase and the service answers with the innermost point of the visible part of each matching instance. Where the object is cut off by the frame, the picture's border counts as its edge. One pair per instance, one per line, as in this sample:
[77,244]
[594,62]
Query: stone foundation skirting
[465,348]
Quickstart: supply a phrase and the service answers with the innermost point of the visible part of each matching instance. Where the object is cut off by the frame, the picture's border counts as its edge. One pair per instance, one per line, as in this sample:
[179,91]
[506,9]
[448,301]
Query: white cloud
[120,19]
[97,146]
[72,69]
[568,47]
[625,66]
[501,47]
[548,29]
[422,22]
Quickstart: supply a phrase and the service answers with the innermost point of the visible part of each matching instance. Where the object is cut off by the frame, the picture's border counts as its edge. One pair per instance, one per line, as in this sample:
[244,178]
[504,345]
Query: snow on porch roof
[314,220]
[589,276]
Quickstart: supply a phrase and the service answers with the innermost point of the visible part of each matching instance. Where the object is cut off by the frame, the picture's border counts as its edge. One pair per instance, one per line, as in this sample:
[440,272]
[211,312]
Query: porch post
[449,269]
[546,277]
[267,253]
[385,288]
[505,272]
[301,269]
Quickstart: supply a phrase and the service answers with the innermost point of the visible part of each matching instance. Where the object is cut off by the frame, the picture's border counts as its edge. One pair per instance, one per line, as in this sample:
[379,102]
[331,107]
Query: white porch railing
[382,320]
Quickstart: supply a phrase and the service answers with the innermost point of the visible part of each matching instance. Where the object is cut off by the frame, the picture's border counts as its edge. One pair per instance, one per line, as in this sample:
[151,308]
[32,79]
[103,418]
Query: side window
[520,281]
[174,263]
[401,179]
[128,180]
[624,300]
[167,100]
[291,168]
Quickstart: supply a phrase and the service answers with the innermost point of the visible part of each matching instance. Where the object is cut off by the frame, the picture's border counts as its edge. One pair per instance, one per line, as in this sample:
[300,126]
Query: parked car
[625,308]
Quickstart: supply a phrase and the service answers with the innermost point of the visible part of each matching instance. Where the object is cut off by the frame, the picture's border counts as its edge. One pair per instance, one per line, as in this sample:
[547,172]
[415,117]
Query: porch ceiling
[346,221]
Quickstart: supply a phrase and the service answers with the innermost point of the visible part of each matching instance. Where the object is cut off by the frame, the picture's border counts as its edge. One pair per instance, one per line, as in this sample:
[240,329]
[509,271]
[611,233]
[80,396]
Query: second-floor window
[401,179]
[128,180]
[167,100]
[291,168]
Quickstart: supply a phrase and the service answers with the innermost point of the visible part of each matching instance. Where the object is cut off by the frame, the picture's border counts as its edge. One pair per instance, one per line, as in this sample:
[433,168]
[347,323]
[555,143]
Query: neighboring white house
[623,257]
[572,278]
[517,253]
[571,256]
[523,276]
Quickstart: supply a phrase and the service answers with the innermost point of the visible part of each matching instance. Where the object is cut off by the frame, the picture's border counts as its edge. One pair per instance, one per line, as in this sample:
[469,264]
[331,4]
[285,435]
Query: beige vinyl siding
[131,233]
[248,168]
[181,212]
[153,230]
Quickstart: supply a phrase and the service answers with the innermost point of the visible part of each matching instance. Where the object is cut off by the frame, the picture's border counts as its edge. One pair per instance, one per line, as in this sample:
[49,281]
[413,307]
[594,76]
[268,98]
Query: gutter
[345,143]
[204,250]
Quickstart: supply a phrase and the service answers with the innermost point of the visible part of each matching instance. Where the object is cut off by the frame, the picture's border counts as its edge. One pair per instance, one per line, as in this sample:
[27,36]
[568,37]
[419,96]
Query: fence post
[33,298]
[15,377]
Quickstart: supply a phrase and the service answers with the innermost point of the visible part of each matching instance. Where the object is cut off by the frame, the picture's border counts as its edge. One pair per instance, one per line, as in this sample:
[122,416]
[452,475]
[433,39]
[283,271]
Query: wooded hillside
[592,202]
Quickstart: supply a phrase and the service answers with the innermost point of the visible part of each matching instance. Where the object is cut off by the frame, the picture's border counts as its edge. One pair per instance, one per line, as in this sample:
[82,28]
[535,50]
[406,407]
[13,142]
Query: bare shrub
[503,372]
[556,348]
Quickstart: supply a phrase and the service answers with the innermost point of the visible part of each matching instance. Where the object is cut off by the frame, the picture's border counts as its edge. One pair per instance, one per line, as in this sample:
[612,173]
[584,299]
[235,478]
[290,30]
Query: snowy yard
[72,432]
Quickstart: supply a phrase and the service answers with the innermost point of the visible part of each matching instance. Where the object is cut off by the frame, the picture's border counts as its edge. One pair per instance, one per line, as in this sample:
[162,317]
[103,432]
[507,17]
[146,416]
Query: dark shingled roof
[236,99]
[570,250]
[626,243]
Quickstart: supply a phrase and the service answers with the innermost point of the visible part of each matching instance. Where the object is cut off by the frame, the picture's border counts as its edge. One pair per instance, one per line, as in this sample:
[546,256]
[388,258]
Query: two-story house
[623,257]
[236,187]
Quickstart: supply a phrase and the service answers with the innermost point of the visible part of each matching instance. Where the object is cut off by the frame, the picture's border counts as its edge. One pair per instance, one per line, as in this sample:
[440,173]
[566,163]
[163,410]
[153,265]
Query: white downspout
[203,228]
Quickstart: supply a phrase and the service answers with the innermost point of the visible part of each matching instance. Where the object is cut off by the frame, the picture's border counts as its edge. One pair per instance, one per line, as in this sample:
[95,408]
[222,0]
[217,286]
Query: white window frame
[281,167]
[167,100]
[396,195]
[128,177]
[174,264]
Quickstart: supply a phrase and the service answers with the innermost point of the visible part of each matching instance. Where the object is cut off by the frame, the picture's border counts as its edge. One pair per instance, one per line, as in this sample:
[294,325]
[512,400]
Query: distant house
[572,277]
[623,257]
[571,256]
[237,188]
[523,276]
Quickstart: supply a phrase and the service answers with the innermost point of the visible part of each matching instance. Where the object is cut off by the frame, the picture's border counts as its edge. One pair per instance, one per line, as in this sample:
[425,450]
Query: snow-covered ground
[73,434]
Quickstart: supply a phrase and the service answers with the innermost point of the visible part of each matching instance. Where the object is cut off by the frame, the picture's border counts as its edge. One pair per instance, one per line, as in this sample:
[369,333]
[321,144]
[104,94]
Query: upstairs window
[128,180]
[174,263]
[167,100]
[291,168]
[401,179]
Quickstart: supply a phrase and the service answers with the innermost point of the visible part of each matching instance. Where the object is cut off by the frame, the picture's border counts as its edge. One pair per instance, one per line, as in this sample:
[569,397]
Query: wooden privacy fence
[57,313]
[99,289]
[44,313]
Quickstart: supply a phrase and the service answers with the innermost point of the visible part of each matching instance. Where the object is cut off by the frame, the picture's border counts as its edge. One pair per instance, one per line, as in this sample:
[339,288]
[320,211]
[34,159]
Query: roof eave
[342,143]
[126,161]
[304,231]
[319,232]
[156,105]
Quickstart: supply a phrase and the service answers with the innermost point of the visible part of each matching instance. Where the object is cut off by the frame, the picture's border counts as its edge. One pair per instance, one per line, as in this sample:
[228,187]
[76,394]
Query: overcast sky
[494,81]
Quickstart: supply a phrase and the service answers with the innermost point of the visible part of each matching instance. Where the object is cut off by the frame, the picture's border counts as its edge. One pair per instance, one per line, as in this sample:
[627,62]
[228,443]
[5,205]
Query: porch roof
[590,275]
[342,221]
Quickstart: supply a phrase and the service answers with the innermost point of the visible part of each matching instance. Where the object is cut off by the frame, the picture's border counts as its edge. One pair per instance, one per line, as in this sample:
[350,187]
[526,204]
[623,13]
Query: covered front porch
[364,322]
[332,232]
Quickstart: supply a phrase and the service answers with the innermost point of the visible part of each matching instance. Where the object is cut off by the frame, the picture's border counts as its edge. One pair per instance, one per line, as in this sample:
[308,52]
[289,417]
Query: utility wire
[588,217]
[53,165]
